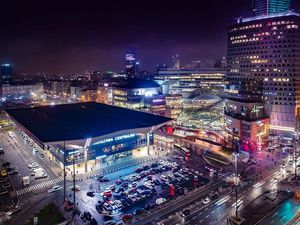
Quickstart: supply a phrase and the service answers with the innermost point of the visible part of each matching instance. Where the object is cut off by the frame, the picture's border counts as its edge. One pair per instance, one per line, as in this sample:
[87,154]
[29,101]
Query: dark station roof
[80,120]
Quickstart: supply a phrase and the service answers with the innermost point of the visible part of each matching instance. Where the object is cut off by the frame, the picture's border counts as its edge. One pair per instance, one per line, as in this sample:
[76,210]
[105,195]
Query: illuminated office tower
[263,75]
[6,72]
[268,7]
[132,65]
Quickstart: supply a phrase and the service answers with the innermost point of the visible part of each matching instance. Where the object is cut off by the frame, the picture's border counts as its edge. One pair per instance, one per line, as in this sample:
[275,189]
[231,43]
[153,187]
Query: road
[217,212]
[283,214]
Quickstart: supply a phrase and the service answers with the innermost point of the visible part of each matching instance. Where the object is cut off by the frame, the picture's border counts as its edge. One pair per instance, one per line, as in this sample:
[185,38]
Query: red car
[107,194]
[69,206]
[127,217]
[118,182]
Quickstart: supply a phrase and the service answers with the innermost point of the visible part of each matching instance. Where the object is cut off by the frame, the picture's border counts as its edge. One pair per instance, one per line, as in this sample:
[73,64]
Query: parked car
[160,201]
[6,164]
[90,193]
[127,217]
[110,222]
[138,211]
[103,179]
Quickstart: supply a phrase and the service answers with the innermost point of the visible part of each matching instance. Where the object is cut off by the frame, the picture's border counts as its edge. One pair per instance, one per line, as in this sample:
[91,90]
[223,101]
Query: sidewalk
[105,169]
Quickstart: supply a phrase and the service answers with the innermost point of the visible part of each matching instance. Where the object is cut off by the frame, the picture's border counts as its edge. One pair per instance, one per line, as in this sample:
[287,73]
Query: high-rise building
[268,7]
[132,65]
[6,72]
[263,82]
[176,62]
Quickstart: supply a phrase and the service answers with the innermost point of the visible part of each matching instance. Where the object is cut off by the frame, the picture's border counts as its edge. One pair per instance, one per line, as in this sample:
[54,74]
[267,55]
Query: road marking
[39,186]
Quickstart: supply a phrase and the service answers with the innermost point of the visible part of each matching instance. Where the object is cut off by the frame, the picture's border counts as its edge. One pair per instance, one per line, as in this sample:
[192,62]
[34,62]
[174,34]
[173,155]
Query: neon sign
[118,138]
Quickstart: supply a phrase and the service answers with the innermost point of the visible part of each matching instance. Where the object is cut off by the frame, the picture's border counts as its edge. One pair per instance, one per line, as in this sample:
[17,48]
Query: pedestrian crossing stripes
[39,186]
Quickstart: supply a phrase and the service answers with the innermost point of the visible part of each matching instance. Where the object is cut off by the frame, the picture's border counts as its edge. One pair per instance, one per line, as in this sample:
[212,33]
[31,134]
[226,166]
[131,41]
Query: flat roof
[81,120]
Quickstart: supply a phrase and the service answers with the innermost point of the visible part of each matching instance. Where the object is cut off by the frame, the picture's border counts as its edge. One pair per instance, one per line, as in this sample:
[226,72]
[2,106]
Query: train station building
[87,134]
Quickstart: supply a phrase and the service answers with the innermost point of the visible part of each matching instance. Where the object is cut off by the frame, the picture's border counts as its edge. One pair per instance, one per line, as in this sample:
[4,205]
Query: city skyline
[96,36]
[150,113]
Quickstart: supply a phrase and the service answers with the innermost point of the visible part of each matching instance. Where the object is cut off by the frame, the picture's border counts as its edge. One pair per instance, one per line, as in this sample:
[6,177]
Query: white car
[160,201]
[206,200]
[55,188]
[33,165]
[77,188]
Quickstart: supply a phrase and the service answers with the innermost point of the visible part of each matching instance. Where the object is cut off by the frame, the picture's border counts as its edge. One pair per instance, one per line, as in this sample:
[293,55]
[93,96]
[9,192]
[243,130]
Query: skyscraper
[263,76]
[176,62]
[132,65]
[268,7]
[6,72]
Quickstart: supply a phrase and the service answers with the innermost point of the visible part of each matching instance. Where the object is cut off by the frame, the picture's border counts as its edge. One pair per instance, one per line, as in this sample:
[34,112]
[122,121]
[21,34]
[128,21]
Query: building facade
[135,93]
[180,81]
[132,66]
[262,79]
[16,90]
[6,72]
[267,7]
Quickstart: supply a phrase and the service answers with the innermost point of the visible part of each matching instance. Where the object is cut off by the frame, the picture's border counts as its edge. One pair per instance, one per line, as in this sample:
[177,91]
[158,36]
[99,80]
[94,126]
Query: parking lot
[121,198]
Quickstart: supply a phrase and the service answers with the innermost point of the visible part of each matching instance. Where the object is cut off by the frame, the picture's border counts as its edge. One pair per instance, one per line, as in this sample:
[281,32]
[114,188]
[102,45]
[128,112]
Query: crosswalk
[39,186]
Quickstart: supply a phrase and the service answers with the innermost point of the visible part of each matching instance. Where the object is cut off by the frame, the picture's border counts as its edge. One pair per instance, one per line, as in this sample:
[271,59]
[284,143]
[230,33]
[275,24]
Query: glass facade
[267,7]
[263,66]
[105,148]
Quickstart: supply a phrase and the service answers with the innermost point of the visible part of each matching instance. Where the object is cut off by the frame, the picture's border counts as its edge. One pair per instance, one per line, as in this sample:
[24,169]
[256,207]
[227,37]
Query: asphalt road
[283,214]
[217,212]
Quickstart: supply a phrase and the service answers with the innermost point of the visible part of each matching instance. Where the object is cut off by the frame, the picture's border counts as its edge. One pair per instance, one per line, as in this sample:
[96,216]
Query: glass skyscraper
[267,7]
[262,79]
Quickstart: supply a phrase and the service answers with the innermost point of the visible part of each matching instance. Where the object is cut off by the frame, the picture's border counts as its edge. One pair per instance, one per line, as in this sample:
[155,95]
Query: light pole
[64,171]
[74,185]
[236,182]
[295,154]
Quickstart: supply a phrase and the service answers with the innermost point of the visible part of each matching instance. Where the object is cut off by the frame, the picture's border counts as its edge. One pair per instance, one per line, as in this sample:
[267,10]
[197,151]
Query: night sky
[74,36]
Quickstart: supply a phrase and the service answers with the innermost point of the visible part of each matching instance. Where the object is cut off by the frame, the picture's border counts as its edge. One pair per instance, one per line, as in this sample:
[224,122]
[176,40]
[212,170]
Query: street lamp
[295,154]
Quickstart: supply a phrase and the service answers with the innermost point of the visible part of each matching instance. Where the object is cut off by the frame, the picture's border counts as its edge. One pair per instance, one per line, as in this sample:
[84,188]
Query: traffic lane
[283,214]
[17,161]
[28,150]
[228,207]
[224,210]
[24,160]
[178,204]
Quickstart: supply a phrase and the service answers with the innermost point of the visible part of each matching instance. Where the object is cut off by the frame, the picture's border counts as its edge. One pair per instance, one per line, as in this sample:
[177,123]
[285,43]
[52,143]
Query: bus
[177,146]
[184,150]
